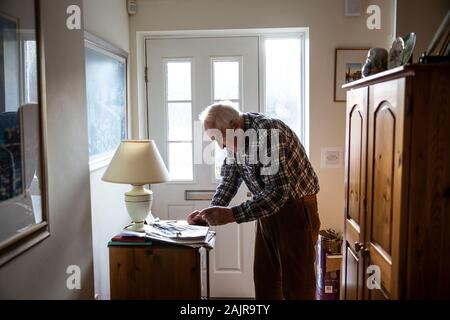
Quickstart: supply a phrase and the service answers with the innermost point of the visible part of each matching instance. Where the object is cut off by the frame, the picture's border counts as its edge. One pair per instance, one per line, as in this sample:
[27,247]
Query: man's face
[221,138]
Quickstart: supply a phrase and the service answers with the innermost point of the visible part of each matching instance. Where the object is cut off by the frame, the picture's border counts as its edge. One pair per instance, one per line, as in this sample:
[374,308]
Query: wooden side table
[159,271]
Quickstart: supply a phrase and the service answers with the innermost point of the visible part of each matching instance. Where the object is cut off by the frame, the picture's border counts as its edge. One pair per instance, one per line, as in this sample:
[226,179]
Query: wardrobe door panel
[355,186]
[385,149]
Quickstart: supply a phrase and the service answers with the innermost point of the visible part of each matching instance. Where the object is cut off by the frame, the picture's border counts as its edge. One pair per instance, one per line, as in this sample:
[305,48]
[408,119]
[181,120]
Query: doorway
[257,73]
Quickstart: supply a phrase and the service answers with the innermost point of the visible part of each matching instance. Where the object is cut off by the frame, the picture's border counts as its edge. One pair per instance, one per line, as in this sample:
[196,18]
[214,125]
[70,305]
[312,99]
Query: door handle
[365,252]
[359,247]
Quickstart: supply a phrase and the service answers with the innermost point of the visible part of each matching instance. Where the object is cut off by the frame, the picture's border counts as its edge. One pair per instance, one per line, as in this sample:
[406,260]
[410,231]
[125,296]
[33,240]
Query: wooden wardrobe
[397,185]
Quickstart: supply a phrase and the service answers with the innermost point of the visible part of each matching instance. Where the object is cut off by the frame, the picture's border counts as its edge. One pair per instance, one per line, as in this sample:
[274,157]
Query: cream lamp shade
[137,162]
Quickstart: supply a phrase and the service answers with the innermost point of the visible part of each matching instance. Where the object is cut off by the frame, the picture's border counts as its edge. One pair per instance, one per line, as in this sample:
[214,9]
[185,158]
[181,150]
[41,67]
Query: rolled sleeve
[228,186]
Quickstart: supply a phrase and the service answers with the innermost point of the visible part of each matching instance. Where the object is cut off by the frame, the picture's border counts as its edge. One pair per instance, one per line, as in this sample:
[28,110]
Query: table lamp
[137,162]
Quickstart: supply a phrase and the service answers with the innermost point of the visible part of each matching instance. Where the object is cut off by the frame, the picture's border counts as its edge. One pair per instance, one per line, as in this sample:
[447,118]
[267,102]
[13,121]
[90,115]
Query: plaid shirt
[294,178]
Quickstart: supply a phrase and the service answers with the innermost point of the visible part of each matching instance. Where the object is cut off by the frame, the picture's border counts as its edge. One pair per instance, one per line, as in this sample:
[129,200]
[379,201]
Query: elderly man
[284,202]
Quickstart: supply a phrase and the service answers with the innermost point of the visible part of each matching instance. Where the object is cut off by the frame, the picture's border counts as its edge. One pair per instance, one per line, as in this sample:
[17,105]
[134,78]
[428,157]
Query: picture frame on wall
[106,98]
[348,63]
[24,217]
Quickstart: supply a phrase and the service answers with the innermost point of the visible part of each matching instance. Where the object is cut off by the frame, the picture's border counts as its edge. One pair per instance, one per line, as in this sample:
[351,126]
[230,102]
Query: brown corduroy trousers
[285,251]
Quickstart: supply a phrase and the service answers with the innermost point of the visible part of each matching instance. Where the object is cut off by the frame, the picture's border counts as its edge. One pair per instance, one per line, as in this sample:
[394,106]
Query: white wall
[108,20]
[40,272]
[329,28]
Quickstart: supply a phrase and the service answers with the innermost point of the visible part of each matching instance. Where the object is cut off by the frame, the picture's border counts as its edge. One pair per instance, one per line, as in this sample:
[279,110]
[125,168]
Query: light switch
[332,157]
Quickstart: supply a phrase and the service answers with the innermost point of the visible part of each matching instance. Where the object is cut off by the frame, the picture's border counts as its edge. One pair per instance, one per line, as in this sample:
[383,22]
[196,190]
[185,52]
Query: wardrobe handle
[359,246]
[365,252]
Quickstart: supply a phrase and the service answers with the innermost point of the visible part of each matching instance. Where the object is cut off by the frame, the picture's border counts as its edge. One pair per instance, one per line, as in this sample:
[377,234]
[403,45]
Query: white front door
[184,76]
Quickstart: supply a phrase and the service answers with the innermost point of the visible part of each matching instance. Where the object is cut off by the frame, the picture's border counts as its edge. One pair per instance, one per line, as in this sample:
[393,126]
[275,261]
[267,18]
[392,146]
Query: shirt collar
[247,121]
[243,152]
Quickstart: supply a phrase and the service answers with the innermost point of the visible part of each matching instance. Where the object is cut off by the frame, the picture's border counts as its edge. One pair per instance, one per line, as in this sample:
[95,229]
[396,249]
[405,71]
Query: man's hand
[196,218]
[216,216]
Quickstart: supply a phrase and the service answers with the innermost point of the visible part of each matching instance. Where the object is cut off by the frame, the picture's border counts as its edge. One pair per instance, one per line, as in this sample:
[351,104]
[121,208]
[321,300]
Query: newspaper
[176,232]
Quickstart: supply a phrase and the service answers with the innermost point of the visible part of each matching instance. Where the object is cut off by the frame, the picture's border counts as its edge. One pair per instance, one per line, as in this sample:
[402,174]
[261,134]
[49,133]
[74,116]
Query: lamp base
[136,227]
[138,202]
[139,226]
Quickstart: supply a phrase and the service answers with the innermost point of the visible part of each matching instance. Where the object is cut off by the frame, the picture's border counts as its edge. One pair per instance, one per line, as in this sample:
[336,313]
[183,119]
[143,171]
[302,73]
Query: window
[226,86]
[179,120]
[283,82]
[106,98]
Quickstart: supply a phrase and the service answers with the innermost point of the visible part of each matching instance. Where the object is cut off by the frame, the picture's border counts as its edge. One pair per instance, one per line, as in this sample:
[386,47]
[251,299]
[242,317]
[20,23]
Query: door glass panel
[226,87]
[226,80]
[179,80]
[180,121]
[180,161]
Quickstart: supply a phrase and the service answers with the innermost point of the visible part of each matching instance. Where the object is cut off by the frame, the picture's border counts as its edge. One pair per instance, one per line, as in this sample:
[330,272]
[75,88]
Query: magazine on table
[174,231]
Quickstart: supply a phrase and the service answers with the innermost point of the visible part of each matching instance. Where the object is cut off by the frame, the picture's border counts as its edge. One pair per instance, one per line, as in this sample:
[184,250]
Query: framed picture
[348,63]
[23,177]
[106,95]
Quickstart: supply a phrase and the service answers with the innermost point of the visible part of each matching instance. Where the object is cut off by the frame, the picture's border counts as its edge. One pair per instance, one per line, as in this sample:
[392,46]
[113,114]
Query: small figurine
[376,61]
[396,53]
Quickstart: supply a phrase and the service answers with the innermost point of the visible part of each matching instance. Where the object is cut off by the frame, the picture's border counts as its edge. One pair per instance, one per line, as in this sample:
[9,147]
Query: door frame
[300,32]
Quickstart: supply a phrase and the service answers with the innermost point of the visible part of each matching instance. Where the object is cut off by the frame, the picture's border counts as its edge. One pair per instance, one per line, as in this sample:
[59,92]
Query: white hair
[219,115]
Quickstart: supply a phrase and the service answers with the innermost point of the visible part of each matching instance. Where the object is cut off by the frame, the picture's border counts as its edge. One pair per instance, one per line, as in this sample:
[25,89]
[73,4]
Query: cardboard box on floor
[329,267]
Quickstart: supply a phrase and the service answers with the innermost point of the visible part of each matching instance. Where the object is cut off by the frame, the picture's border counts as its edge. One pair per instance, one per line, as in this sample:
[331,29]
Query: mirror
[22,214]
